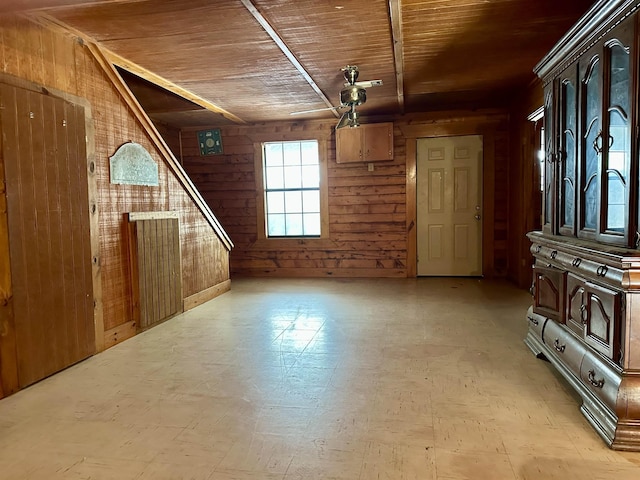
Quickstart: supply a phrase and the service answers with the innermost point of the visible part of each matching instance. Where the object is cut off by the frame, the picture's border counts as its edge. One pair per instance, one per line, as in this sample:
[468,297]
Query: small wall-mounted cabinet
[370,142]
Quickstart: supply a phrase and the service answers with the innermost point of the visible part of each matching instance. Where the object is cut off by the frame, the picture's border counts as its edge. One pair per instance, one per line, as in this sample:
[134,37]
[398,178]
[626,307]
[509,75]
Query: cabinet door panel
[549,286]
[348,145]
[378,142]
[602,326]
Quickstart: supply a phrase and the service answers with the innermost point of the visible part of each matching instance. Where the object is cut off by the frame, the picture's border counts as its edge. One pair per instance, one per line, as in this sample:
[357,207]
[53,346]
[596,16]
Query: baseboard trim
[199,298]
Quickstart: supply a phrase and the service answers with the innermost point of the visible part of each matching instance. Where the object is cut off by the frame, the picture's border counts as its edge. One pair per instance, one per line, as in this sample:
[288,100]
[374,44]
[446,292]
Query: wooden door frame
[8,371]
[484,125]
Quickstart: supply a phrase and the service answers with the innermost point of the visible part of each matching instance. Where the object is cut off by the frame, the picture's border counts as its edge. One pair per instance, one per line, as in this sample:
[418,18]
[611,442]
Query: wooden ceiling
[246,61]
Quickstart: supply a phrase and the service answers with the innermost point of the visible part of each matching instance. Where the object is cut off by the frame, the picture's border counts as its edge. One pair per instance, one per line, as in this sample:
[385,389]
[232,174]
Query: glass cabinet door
[617,144]
[568,152]
[591,146]
[549,163]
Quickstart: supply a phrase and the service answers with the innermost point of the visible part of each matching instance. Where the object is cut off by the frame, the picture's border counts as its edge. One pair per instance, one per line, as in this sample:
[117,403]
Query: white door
[449,207]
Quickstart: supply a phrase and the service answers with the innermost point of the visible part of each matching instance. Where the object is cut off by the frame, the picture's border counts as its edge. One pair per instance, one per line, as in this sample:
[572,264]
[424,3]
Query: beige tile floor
[315,379]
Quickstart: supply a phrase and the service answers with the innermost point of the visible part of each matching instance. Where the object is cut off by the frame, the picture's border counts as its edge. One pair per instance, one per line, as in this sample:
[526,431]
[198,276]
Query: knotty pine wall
[56,61]
[370,232]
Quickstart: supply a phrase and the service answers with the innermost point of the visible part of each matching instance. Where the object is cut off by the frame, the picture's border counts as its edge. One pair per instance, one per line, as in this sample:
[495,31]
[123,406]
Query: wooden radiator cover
[155,266]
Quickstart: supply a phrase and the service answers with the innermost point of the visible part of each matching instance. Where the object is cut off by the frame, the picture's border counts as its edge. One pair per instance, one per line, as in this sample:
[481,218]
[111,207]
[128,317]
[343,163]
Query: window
[292,194]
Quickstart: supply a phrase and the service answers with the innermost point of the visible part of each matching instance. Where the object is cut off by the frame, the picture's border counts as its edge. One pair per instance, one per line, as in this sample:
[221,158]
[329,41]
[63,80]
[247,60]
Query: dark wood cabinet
[587,262]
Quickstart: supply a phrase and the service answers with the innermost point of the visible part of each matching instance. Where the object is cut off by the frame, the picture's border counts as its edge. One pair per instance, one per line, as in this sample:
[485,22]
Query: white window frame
[261,192]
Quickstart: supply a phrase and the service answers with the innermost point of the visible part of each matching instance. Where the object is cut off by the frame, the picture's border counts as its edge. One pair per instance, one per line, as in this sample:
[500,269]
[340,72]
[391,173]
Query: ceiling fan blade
[366,84]
[319,110]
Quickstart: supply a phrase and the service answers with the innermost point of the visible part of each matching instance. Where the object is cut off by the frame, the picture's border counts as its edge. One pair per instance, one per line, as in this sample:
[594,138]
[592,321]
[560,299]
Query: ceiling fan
[353,94]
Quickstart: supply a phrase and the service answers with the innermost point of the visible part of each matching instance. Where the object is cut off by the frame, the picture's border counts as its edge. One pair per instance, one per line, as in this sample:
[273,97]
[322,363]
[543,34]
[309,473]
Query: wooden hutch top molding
[595,24]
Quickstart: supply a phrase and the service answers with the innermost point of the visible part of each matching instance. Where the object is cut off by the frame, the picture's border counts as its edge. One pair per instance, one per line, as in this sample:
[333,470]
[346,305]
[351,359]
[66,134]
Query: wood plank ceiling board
[477,47]
[214,49]
[329,35]
[433,54]
[23,5]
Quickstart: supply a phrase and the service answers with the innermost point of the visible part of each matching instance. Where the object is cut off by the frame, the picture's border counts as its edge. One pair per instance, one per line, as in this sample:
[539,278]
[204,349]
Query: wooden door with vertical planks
[449,205]
[45,167]
[155,266]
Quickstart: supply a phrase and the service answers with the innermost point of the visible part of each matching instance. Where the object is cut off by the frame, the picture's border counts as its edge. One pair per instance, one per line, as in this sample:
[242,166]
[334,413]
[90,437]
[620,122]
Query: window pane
[276,225]
[275,202]
[272,154]
[292,177]
[293,201]
[294,224]
[311,224]
[311,201]
[292,188]
[309,152]
[274,178]
[310,176]
[291,153]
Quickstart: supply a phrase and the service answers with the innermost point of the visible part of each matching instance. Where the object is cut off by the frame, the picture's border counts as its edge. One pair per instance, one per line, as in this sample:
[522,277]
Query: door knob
[477,216]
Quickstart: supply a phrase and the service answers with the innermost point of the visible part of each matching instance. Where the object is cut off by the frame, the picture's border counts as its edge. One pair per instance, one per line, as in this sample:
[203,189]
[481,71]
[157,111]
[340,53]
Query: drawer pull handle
[576,262]
[602,270]
[533,320]
[584,314]
[593,381]
[554,254]
[558,347]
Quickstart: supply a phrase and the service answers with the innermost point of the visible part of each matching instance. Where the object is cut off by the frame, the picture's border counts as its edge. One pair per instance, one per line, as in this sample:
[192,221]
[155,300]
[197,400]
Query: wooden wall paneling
[8,354]
[366,209]
[150,129]
[412,213]
[23,214]
[478,124]
[71,72]
[489,205]
[524,181]
[53,193]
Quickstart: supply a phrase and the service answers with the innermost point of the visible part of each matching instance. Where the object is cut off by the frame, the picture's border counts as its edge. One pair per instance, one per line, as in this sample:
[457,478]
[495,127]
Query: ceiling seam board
[287,52]
[395,15]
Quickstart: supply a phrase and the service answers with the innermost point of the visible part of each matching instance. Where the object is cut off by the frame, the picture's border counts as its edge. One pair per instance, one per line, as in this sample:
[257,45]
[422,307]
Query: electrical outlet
[370,167]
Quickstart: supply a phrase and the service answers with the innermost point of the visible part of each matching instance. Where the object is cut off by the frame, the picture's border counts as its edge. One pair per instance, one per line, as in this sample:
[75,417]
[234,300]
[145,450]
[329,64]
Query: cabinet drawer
[548,292]
[600,378]
[565,345]
[536,322]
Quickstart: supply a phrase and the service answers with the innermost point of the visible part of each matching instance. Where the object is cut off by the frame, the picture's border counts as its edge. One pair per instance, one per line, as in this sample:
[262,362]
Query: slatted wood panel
[44,153]
[368,233]
[156,270]
[57,61]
